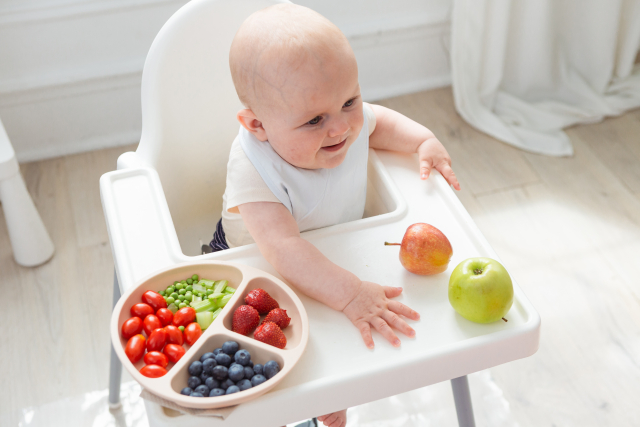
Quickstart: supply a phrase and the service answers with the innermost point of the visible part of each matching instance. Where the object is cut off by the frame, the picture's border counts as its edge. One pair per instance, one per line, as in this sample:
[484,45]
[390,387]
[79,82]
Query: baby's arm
[366,304]
[396,132]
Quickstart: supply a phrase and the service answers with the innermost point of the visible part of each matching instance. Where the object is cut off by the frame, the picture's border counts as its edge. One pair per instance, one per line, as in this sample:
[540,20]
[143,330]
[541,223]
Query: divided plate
[244,279]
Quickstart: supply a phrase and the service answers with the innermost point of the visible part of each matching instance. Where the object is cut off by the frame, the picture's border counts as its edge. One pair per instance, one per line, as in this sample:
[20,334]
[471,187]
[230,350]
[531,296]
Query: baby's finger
[425,169]
[330,419]
[385,330]
[365,331]
[449,175]
[400,308]
[391,292]
[394,320]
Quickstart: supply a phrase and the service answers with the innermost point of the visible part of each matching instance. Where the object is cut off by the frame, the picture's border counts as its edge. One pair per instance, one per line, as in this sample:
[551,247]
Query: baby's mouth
[335,147]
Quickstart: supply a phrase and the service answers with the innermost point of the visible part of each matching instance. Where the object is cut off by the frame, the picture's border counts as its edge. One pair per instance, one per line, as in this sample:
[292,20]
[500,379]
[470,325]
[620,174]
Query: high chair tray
[337,370]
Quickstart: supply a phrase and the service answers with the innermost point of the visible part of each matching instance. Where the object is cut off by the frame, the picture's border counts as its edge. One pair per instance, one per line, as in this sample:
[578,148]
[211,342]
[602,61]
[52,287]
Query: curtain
[522,70]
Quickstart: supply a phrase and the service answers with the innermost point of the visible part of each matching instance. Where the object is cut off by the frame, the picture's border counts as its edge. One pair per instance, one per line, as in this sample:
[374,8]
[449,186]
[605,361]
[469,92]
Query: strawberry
[279,317]
[245,319]
[261,301]
[270,333]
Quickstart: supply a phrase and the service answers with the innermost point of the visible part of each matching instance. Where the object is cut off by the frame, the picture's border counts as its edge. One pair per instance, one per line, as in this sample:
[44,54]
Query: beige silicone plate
[244,279]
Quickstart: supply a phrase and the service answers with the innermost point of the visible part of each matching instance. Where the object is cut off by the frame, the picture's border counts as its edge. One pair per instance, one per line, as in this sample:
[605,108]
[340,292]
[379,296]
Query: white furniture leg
[29,238]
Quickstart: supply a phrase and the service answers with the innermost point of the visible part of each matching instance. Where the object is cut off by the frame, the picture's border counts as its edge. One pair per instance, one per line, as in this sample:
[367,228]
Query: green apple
[480,290]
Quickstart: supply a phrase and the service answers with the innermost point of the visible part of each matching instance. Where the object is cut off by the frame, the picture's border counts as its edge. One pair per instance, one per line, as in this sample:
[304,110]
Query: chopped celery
[173,308]
[214,296]
[206,283]
[215,314]
[224,300]
[204,306]
[219,286]
[198,287]
[204,319]
[229,290]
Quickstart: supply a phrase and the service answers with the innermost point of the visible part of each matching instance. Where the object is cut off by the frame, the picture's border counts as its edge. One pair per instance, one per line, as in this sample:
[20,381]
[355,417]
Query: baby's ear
[250,122]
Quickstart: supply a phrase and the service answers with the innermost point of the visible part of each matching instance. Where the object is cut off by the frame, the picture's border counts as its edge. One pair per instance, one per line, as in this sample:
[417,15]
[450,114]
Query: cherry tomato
[154,299]
[192,332]
[131,327]
[174,335]
[184,316]
[165,315]
[135,348]
[141,310]
[151,323]
[156,358]
[156,340]
[173,352]
[153,371]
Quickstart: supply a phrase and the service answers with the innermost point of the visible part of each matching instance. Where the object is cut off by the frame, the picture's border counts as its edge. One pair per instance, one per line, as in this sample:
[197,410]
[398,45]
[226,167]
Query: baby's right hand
[372,306]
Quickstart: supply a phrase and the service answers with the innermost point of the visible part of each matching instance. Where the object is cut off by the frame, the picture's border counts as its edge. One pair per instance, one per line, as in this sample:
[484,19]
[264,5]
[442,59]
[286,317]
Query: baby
[299,161]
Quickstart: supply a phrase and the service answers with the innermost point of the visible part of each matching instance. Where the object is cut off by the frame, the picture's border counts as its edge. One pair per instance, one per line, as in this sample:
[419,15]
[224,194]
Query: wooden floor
[568,229]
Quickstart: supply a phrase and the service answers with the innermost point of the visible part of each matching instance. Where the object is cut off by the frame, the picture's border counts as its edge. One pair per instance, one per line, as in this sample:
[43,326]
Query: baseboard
[101,109]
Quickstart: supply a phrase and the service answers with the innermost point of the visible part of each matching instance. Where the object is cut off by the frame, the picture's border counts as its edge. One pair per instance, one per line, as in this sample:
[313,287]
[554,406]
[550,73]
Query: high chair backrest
[189,106]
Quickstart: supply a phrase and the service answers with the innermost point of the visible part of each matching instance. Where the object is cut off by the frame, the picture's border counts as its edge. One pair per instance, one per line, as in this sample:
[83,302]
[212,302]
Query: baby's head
[297,76]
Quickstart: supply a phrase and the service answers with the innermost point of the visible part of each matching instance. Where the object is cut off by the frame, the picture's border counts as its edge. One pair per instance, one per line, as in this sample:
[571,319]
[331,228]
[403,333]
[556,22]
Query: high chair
[164,200]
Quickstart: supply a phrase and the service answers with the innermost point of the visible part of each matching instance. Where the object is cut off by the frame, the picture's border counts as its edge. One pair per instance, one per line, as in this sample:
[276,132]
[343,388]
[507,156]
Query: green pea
[188,297]
[189,282]
[179,286]
[170,300]
[184,282]
[209,292]
[182,291]
[171,289]
[181,328]
[189,288]
[188,294]
[161,293]
[181,297]
[174,295]
[195,278]
[182,305]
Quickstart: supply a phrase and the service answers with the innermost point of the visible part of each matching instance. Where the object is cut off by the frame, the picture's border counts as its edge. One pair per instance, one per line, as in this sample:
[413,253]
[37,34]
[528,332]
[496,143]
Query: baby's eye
[349,103]
[314,121]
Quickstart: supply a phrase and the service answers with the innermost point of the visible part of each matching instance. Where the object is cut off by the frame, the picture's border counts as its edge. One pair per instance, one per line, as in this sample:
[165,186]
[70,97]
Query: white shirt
[296,188]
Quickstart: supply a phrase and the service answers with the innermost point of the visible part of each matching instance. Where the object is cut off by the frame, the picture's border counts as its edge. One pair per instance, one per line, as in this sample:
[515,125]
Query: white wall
[70,69]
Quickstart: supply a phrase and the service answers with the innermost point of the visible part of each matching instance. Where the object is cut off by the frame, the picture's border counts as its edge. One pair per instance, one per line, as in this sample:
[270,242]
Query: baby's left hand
[432,154]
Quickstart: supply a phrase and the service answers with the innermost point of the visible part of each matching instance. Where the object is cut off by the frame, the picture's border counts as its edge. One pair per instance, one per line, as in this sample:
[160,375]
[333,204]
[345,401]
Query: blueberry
[230,347]
[243,357]
[207,356]
[196,394]
[208,365]
[220,373]
[217,351]
[257,380]
[194,382]
[236,372]
[226,384]
[211,383]
[195,369]
[223,359]
[186,391]
[271,368]
[250,363]
[257,369]
[203,377]
[244,384]
[248,372]
[232,389]
[216,392]
[202,389]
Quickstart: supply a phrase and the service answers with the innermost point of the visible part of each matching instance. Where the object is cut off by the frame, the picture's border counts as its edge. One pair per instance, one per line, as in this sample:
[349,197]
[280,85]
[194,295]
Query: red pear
[424,249]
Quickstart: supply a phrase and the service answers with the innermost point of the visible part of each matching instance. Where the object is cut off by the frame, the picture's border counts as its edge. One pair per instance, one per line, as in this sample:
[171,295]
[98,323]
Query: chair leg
[115,370]
[462,398]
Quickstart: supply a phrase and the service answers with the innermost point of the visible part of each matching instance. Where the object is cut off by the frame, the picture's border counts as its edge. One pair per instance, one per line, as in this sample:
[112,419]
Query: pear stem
[392,244]
[504,319]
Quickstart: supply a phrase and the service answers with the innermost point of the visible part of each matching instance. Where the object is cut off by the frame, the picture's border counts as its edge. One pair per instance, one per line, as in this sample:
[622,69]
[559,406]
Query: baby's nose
[339,128]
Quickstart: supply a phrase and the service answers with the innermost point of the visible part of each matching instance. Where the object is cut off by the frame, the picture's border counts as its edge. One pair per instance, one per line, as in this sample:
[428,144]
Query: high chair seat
[165,200]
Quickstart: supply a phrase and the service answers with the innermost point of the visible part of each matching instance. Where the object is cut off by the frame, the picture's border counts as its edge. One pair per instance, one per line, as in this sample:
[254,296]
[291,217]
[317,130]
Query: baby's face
[314,112]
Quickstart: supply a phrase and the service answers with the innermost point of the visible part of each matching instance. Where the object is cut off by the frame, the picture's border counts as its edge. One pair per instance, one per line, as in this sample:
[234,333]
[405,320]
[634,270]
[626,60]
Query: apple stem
[392,244]
[504,319]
